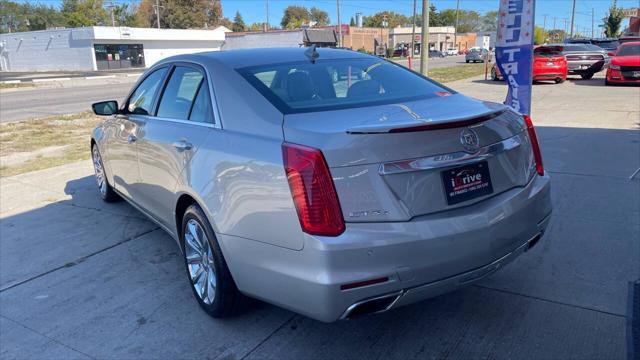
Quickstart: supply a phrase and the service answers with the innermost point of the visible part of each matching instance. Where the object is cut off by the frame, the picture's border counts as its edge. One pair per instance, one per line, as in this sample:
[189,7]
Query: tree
[256,26]
[613,21]
[238,23]
[434,17]
[393,19]
[28,17]
[321,17]
[539,36]
[181,14]
[294,16]
[489,21]
[352,22]
[124,15]
[79,13]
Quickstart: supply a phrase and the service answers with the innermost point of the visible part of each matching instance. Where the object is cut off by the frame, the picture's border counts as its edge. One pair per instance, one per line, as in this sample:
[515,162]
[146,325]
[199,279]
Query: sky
[255,10]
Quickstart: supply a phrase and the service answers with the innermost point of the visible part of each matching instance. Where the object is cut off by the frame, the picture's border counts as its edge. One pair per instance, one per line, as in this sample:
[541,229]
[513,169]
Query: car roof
[262,56]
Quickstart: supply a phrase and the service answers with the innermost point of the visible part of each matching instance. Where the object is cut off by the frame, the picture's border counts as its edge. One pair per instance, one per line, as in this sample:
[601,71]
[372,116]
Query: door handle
[131,138]
[182,145]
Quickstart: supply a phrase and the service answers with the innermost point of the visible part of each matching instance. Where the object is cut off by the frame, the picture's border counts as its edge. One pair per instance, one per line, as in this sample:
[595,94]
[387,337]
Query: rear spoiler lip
[424,126]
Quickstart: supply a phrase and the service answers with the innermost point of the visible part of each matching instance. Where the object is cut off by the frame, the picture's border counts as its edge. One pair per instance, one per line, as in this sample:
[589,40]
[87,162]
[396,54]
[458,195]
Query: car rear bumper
[549,76]
[585,66]
[421,258]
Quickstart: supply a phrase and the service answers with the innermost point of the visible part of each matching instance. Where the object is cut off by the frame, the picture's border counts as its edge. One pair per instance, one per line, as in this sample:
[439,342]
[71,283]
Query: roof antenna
[311,53]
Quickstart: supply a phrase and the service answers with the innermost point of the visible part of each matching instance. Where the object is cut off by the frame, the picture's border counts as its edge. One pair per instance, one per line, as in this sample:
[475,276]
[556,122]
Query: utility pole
[424,41]
[593,22]
[566,28]
[157,6]
[544,22]
[554,22]
[413,31]
[266,24]
[455,33]
[573,17]
[339,27]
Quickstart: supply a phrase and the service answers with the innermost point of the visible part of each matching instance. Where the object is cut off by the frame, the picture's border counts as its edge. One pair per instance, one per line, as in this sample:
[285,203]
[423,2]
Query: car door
[121,144]
[168,140]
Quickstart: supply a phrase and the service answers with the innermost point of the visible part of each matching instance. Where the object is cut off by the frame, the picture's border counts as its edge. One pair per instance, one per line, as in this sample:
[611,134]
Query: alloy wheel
[200,261]
[99,171]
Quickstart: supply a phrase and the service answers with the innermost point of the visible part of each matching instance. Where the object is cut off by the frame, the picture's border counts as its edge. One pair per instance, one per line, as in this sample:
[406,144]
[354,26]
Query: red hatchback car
[624,67]
[548,64]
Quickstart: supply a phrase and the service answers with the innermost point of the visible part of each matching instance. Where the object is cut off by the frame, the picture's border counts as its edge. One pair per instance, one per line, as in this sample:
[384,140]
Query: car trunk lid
[387,161]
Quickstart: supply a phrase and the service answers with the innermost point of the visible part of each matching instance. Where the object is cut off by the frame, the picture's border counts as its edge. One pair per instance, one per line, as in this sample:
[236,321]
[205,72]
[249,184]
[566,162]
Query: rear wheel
[606,82]
[211,281]
[467,61]
[586,76]
[559,80]
[106,191]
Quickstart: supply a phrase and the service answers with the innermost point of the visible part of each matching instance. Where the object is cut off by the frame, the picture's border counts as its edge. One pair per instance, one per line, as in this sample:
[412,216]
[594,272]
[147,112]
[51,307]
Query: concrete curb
[50,80]
[99,77]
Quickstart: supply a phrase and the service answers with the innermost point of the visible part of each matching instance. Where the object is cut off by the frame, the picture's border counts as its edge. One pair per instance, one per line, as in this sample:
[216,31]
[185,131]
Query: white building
[440,37]
[100,47]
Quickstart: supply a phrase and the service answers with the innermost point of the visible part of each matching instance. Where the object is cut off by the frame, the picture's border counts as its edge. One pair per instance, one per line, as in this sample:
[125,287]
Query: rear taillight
[314,194]
[534,145]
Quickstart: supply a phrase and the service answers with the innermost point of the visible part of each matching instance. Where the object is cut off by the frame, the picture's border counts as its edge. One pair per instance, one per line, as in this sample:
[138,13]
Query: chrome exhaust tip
[374,305]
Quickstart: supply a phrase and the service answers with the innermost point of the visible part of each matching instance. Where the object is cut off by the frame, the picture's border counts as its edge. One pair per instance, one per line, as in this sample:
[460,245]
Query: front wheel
[211,281]
[467,61]
[586,76]
[106,191]
[494,75]
[559,80]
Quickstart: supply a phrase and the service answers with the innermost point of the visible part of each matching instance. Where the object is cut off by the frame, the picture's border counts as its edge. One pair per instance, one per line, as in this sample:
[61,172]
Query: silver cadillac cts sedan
[328,182]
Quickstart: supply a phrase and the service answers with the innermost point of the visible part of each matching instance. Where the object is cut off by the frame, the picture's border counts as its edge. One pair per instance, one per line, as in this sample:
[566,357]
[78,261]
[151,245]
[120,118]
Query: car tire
[106,190]
[606,82]
[467,61]
[559,80]
[586,76]
[207,271]
[494,75]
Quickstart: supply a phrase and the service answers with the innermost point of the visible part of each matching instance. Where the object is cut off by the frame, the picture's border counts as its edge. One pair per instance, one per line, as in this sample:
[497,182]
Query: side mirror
[611,53]
[105,108]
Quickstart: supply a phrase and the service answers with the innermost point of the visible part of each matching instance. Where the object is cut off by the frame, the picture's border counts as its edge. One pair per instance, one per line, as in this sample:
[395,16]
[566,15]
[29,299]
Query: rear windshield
[582,47]
[606,44]
[337,84]
[547,52]
[629,50]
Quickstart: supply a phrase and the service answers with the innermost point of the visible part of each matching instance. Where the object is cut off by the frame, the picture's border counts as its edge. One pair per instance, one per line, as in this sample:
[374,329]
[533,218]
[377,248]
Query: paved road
[23,104]
[83,279]
[27,76]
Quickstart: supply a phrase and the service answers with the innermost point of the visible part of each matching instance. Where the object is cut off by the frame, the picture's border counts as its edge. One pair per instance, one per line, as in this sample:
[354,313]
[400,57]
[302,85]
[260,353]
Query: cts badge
[469,140]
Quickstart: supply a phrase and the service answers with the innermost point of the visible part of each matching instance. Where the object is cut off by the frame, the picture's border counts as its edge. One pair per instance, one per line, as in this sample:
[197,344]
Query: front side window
[141,100]
[180,93]
[336,84]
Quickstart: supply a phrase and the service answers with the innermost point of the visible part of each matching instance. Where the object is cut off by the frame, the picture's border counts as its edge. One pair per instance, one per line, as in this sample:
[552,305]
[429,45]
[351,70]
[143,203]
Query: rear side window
[338,84]
[141,100]
[201,110]
[180,93]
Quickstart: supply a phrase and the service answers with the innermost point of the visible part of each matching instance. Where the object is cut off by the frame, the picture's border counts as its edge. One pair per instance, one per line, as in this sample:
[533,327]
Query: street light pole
[424,41]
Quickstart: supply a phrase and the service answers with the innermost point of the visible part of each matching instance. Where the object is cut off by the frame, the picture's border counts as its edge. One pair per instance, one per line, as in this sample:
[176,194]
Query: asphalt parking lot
[83,279]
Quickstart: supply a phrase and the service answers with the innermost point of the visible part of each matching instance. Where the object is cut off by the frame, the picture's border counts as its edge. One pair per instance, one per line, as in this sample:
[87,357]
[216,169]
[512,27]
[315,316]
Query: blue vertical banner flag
[514,51]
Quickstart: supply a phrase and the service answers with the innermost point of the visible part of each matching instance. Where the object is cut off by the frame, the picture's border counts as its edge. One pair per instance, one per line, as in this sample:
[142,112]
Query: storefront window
[119,56]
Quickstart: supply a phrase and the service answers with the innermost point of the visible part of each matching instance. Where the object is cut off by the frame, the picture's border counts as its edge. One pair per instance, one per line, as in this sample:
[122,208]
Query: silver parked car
[327,182]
